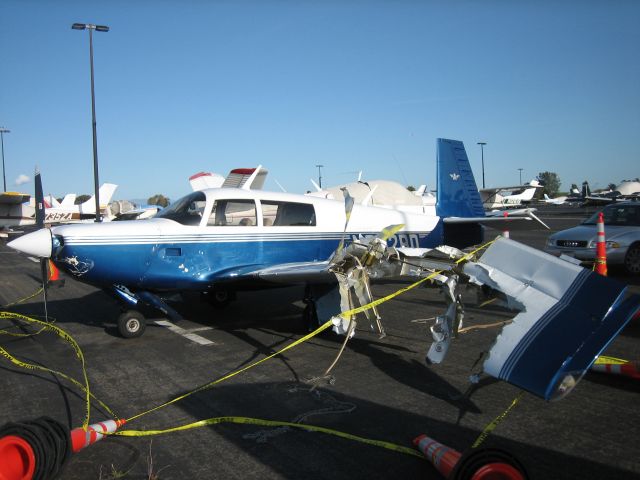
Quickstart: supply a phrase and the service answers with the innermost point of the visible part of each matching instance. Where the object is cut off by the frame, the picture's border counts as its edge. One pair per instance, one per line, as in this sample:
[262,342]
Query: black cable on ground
[50,441]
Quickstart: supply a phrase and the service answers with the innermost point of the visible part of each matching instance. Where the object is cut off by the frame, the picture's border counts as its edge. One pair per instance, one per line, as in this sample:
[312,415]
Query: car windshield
[620,215]
[187,210]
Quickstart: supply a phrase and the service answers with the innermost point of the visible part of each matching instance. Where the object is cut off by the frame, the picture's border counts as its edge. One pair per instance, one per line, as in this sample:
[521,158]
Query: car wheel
[131,324]
[632,260]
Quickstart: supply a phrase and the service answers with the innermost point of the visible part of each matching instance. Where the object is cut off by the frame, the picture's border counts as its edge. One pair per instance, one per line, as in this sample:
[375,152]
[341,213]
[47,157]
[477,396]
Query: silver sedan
[622,233]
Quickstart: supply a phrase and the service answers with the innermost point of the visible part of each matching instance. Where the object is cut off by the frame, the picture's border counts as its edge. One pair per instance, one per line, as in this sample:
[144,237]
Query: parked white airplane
[508,197]
[85,211]
[17,209]
[51,202]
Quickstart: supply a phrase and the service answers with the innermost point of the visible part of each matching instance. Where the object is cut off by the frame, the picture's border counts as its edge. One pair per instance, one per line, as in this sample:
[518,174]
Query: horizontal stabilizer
[568,316]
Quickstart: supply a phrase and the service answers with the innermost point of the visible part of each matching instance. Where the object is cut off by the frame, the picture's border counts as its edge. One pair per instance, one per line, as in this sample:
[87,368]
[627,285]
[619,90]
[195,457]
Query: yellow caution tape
[67,338]
[24,299]
[602,359]
[495,422]
[272,423]
[31,366]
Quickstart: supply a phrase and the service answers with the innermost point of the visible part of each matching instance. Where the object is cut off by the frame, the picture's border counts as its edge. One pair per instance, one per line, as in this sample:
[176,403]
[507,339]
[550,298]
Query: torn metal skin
[549,295]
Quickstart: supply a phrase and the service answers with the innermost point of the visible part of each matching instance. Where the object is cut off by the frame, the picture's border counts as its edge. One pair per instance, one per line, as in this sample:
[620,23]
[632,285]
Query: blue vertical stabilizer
[457,191]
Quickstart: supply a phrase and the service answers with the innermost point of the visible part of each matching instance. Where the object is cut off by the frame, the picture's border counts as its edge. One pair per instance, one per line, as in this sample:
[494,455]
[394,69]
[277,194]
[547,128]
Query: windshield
[187,210]
[620,215]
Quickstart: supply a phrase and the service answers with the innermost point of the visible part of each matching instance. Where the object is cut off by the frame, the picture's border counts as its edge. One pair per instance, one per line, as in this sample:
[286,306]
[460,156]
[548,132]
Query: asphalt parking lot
[381,389]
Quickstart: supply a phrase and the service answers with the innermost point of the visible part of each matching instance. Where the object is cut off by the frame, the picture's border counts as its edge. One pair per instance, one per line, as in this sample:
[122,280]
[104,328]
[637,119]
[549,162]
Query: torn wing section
[569,316]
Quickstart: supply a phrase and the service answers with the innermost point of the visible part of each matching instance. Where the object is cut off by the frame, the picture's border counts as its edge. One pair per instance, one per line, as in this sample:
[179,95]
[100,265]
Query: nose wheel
[131,324]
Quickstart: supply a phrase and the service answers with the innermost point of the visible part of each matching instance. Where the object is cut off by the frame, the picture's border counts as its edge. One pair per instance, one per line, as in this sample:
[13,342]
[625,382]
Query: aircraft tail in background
[106,192]
[457,192]
[457,195]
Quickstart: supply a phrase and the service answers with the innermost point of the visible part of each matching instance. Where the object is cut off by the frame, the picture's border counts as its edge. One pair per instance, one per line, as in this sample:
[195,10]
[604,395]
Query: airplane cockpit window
[235,213]
[186,210]
[290,214]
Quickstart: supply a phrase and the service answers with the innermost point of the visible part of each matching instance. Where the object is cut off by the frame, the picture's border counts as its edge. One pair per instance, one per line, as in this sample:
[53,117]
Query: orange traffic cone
[54,273]
[476,464]
[601,249]
[17,460]
[81,438]
[627,369]
[40,448]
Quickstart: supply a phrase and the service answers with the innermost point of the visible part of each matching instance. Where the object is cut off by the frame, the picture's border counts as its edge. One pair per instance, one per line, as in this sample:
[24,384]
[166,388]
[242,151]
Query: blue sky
[189,86]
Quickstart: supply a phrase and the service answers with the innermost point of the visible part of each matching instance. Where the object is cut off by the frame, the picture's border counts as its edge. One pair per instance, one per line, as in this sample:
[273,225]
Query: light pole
[4,173]
[482,144]
[91,28]
[520,170]
[319,175]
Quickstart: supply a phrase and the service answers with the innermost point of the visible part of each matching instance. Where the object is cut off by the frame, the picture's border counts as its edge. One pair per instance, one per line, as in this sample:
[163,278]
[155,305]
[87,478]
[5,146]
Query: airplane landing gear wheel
[220,298]
[131,324]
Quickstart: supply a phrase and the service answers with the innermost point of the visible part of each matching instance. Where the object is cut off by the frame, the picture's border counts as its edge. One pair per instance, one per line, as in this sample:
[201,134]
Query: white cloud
[22,179]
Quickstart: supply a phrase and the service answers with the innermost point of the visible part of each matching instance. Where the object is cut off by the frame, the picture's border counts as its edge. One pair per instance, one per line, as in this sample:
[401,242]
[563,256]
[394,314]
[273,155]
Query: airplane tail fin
[68,201]
[457,194]
[51,201]
[106,192]
[204,180]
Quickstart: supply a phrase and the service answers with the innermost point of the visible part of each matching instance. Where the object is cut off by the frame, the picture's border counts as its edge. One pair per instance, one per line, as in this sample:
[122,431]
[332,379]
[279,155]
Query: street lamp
[520,170]
[4,173]
[91,28]
[482,144]
[319,175]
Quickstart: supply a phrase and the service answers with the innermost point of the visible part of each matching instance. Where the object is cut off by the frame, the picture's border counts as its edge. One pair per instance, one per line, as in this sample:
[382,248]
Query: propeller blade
[39,200]
[40,223]
[348,207]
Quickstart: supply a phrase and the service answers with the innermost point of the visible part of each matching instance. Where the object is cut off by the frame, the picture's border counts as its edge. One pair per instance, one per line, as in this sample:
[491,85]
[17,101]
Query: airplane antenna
[281,187]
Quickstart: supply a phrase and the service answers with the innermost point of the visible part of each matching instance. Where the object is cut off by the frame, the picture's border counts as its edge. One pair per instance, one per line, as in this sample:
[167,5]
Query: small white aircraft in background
[66,212]
[18,209]
[50,201]
[508,197]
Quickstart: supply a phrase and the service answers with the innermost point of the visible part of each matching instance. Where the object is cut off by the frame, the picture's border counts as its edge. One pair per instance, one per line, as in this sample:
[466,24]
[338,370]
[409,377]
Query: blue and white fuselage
[224,234]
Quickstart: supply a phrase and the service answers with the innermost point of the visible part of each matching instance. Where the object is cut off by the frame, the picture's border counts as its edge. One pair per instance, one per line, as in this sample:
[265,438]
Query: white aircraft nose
[36,243]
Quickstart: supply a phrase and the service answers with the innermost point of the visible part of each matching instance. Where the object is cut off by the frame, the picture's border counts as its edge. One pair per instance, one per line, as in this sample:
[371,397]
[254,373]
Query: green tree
[551,182]
[81,199]
[411,188]
[158,199]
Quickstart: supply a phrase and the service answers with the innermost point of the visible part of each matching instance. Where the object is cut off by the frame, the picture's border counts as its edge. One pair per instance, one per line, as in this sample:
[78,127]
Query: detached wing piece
[568,317]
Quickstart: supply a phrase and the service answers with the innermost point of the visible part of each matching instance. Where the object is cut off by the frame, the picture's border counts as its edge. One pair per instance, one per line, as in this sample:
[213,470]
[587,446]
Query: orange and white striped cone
[476,464]
[601,248]
[81,438]
[627,369]
[39,448]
